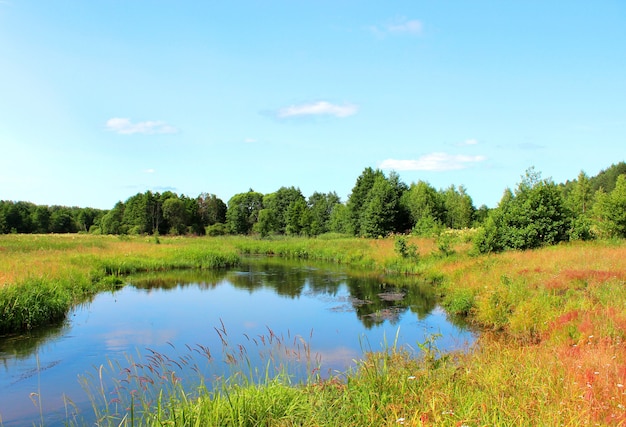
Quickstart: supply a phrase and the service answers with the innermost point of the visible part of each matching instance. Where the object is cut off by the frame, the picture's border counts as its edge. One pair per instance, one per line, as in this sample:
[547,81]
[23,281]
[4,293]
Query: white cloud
[126,127]
[398,26]
[470,141]
[149,170]
[412,26]
[321,108]
[432,162]
[249,140]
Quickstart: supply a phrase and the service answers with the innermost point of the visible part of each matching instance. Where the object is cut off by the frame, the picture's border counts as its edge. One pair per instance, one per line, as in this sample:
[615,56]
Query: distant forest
[537,212]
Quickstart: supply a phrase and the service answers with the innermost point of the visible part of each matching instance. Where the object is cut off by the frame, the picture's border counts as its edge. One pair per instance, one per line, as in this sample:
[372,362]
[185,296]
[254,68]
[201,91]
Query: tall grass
[203,386]
[43,276]
[552,349]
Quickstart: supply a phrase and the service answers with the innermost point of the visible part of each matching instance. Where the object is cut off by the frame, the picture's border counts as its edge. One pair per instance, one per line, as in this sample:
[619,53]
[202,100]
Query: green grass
[552,349]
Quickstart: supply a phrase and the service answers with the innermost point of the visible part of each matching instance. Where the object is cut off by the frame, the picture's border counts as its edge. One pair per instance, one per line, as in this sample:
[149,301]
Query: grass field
[552,349]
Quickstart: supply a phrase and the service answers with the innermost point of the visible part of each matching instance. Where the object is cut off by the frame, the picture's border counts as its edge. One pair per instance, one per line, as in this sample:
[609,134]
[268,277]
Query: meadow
[551,349]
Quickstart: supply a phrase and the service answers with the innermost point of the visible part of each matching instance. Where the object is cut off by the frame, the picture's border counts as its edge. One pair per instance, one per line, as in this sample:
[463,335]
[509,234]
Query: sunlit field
[551,350]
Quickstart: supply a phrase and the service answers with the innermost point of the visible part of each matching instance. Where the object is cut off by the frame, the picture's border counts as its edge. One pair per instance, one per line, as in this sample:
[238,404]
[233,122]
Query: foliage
[212,209]
[321,209]
[25,217]
[405,249]
[425,206]
[459,208]
[380,209]
[243,211]
[610,210]
[605,180]
[535,215]
[359,197]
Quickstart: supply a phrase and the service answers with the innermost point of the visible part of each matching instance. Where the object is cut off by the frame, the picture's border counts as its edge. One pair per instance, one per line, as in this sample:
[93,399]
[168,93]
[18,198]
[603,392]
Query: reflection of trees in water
[285,280]
[373,300]
[23,345]
[205,279]
[376,301]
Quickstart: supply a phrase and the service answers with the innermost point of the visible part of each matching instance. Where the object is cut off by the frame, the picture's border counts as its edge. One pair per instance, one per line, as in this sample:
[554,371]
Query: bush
[404,249]
[533,216]
[217,229]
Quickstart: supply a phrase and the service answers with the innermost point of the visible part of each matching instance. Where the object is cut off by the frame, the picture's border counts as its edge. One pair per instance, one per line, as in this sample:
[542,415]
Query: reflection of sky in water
[175,321]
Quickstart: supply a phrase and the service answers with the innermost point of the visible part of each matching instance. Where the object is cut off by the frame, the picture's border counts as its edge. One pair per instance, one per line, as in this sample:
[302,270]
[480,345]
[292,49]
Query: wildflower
[412,377]
[620,385]
[400,420]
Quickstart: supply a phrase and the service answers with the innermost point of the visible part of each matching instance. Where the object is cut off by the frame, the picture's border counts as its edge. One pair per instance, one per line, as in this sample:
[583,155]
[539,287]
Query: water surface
[313,317]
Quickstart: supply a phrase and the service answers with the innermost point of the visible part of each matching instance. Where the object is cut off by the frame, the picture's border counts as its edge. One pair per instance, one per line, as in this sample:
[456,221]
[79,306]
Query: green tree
[277,205]
[610,210]
[212,209]
[18,217]
[458,207]
[193,217]
[533,216]
[579,199]
[607,178]
[175,213]
[359,197]
[480,215]
[321,207]
[265,223]
[243,211]
[296,218]
[111,222]
[41,219]
[340,220]
[380,211]
[136,215]
[402,222]
[87,217]
[425,206]
[61,220]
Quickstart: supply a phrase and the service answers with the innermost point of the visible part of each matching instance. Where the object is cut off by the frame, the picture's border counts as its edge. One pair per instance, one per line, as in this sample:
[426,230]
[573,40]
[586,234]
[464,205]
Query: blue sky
[103,99]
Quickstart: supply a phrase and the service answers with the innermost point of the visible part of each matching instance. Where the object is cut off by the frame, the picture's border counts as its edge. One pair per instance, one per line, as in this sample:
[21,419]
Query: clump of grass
[32,303]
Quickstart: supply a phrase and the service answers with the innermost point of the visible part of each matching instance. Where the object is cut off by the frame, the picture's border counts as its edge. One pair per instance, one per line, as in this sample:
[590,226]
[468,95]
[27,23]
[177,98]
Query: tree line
[537,212]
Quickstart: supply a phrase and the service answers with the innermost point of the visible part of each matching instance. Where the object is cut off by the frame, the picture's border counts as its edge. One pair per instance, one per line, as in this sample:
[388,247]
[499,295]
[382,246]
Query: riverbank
[552,351]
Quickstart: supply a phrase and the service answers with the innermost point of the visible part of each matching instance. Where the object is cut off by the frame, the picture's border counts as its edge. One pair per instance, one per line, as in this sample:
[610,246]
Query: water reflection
[22,346]
[373,300]
[323,311]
